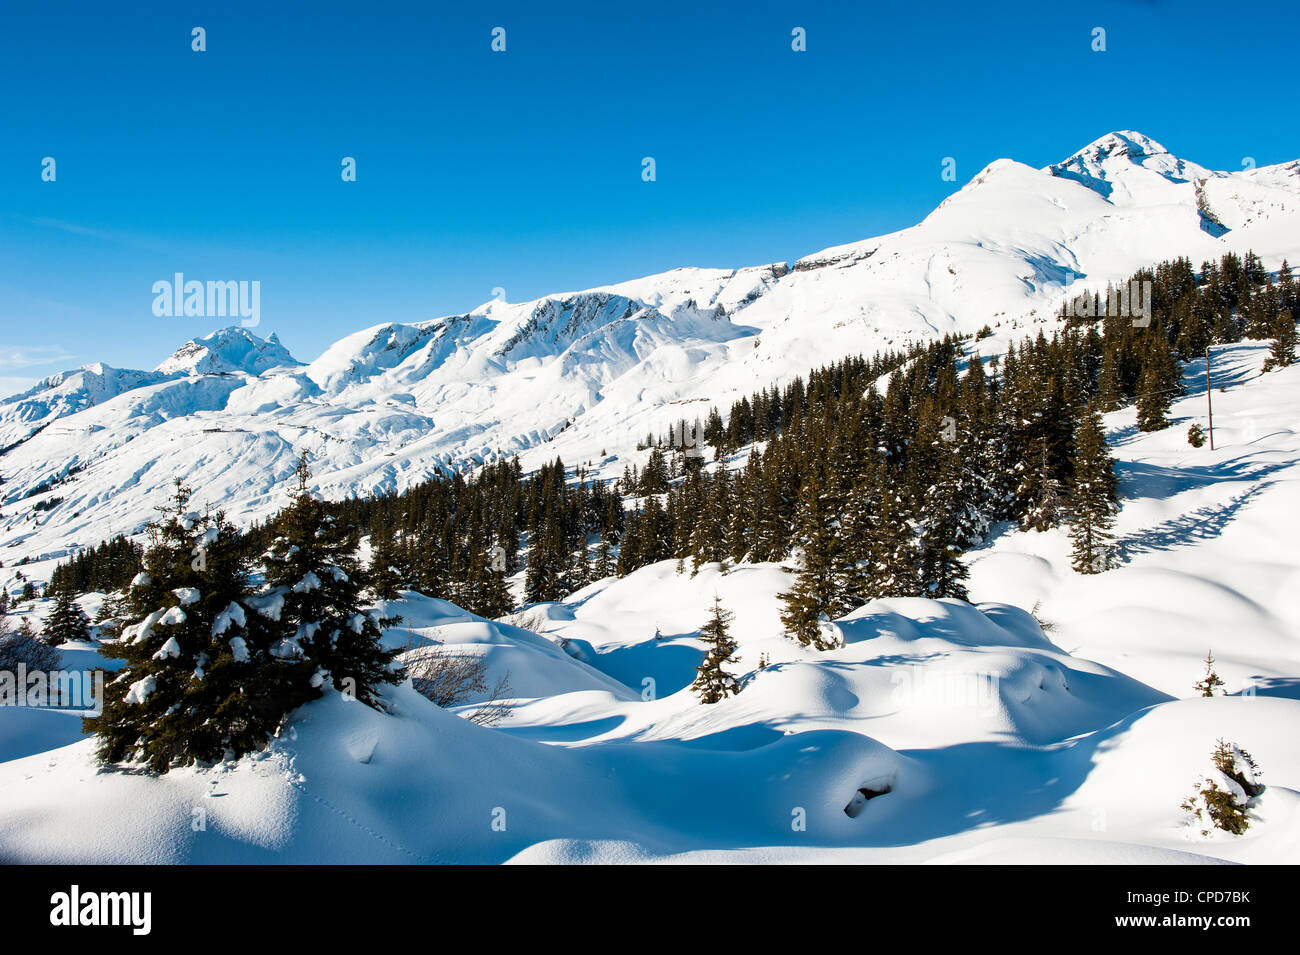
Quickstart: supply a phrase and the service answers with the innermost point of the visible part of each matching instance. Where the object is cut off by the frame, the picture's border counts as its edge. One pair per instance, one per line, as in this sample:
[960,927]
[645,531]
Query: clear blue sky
[523,169]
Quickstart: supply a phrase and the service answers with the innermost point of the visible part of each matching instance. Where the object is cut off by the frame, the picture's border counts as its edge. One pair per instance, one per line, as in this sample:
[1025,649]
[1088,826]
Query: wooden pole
[1209,388]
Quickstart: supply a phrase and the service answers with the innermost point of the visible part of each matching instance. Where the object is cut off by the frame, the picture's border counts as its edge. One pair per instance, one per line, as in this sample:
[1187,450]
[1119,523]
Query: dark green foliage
[1223,800]
[200,682]
[1282,352]
[314,579]
[67,621]
[108,566]
[823,587]
[1040,493]
[386,577]
[712,682]
[1153,402]
[1094,497]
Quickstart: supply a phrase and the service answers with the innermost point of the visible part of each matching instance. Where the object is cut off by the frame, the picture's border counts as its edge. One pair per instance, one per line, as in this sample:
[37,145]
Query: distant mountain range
[586,374]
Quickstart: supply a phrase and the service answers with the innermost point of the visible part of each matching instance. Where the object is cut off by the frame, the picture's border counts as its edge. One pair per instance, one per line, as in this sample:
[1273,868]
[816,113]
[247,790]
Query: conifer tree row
[871,475]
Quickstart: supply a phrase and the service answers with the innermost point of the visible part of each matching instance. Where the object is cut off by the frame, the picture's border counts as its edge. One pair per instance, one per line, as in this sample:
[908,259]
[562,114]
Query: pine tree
[820,589]
[711,681]
[1094,496]
[385,577]
[1110,390]
[1153,400]
[890,564]
[67,621]
[1223,800]
[1282,352]
[950,521]
[313,593]
[200,683]
[1210,682]
[604,565]
[1040,491]
[491,593]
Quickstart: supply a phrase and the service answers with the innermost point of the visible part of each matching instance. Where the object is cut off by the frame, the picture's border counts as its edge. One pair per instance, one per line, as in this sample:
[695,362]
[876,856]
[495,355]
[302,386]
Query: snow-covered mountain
[227,352]
[581,373]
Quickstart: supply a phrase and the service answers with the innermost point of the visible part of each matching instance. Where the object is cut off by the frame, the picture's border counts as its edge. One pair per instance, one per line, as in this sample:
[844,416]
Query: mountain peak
[1120,144]
[228,350]
[1125,160]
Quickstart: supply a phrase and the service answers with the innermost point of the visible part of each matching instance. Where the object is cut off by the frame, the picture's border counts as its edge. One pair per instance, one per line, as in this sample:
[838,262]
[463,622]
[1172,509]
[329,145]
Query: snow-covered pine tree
[545,575]
[1224,798]
[712,682]
[821,585]
[605,563]
[951,520]
[1040,490]
[1094,496]
[709,529]
[67,621]
[893,551]
[200,683]
[314,584]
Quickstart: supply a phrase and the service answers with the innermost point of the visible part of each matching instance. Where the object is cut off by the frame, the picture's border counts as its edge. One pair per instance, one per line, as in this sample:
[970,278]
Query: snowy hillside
[979,736]
[581,373]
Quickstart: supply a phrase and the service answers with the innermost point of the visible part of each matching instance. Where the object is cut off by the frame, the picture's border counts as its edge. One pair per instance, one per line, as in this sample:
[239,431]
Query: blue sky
[522,169]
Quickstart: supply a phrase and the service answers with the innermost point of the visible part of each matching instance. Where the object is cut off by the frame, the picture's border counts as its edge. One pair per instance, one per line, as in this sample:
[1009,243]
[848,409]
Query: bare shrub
[451,677]
[23,647]
[1047,626]
[531,620]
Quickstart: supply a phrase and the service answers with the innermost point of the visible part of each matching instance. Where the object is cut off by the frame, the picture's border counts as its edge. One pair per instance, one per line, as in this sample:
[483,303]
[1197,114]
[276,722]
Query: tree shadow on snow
[1201,524]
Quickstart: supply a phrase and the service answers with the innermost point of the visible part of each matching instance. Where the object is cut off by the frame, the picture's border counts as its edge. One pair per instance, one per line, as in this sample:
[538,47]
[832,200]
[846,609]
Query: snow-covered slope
[581,373]
[986,737]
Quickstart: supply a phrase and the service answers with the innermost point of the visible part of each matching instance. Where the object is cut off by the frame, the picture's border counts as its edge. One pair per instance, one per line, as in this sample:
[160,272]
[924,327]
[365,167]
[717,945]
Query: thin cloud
[15,386]
[22,356]
[114,236]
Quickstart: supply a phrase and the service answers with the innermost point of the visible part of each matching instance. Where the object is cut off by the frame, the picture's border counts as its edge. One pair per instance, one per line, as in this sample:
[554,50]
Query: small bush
[1222,800]
[24,648]
[533,621]
[451,677]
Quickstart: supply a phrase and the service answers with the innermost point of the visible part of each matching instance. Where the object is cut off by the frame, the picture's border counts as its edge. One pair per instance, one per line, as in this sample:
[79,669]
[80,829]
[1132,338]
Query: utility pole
[1209,388]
